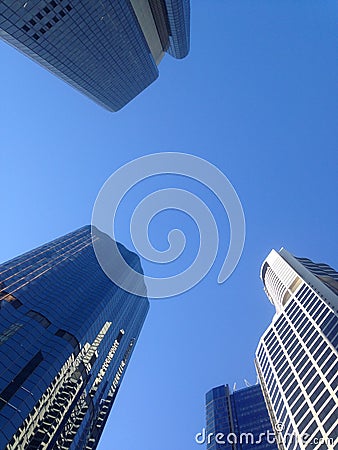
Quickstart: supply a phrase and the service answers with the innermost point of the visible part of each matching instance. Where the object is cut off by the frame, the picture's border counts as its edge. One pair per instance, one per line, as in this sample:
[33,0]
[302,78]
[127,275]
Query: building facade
[241,417]
[297,359]
[66,336]
[107,49]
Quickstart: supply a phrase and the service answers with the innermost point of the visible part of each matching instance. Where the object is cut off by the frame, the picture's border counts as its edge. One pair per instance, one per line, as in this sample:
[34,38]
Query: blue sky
[256,97]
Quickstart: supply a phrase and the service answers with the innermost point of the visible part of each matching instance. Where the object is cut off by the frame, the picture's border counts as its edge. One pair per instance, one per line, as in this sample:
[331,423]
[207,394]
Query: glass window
[39,318]
[304,409]
[68,337]
[293,398]
[324,356]
[331,406]
[320,402]
[19,379]
[305,369]
[313,384]
[305,422]
[332,373]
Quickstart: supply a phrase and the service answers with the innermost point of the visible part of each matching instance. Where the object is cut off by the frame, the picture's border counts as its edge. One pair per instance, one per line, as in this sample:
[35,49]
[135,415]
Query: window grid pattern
[179,22]
[97,47]
[297,363]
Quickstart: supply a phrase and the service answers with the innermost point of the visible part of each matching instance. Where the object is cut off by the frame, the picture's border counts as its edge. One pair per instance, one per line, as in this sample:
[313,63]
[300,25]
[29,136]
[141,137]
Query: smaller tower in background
[241,417]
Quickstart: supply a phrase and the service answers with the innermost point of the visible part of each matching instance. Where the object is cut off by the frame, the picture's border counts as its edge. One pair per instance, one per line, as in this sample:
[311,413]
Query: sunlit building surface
[297,360]
[107,49]
[66,336]
[241,417]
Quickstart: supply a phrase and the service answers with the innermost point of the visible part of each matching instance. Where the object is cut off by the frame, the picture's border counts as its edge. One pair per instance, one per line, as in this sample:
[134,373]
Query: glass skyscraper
[241,417]
[297,357]
[67,333]
[107,49]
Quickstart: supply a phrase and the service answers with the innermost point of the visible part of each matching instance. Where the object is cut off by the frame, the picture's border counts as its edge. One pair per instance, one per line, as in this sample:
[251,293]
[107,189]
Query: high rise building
[67,333]
[241,417]
[107,49]
[297,358]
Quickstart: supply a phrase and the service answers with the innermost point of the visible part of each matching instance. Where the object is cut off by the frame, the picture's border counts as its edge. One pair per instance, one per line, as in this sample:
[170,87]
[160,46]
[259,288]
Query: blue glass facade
[241,417]
[66,336]
[98,47]
[179,23]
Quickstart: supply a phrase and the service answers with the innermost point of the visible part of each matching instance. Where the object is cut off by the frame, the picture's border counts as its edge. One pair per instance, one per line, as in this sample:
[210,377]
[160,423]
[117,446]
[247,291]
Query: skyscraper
[241,417]
[66,336]
[297,359]
[109,50]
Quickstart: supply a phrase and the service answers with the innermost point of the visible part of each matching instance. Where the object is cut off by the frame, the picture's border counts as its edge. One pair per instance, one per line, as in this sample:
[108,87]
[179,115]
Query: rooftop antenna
[234,388]
[247,384]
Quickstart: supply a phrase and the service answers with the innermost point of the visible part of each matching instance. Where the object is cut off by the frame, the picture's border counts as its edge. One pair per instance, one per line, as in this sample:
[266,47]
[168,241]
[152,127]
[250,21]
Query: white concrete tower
[297,358]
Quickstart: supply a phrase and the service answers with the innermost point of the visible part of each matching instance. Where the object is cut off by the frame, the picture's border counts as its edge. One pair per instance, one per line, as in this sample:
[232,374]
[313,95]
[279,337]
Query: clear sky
[256,97]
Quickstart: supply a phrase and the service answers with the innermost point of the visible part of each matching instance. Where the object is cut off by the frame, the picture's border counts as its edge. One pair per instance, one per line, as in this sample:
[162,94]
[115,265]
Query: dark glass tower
[107,49]
[66,336]
[241,417]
